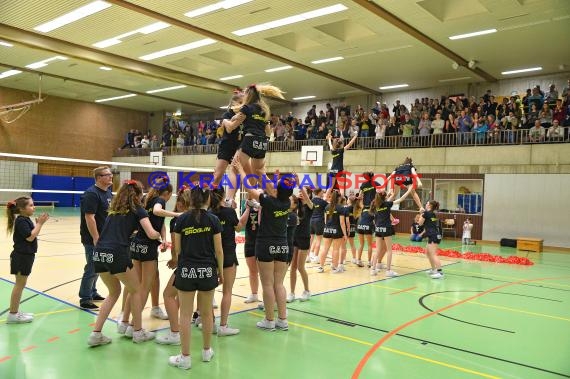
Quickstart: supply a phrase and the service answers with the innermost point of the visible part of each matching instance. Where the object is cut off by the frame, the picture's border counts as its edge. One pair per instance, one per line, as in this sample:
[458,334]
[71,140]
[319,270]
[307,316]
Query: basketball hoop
[19,109]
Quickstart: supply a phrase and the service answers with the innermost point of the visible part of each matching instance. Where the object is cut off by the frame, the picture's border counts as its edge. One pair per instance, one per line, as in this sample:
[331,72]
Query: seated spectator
[145,142]
[536,134]
[555,132]
[531,116]
[201,139]
[417,231]
[545,116]
[559,113]
[154,143]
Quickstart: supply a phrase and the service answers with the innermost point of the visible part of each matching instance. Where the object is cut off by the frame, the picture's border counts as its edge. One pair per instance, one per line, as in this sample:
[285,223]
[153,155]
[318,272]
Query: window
[460,195]
[424,193]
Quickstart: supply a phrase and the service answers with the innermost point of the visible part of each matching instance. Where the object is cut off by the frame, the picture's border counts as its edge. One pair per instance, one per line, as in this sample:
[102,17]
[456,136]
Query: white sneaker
[342,268]
[98,339]
[261,306]
[265,324]
[253,203]
[359,263]
[207,355]
[431,271]
[18,318]
[336,270]
[437,275]
[227,331]
[391,274]
[129,331]
[122,327]
[373,272]
[291,297]
[181,361]
[158,313]
[214,304]
[119,318]
[380,266]
[305,296]
[171,338]
[320,269]
[142,336]
[315,259]
[281,324]
[252,298]
[214,328]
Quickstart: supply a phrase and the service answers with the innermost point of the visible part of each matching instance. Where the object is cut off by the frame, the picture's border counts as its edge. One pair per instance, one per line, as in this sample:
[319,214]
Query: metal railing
[489,138]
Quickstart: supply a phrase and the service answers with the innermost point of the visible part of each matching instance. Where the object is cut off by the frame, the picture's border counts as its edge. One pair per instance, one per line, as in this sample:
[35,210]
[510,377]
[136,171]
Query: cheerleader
[198,246]
[22,258]
[112,260]
[301,244]
[352,214]
[433,233]
[337,149]
[365,226]
[406,174]
[231,140]
[384,230]
[317,223]
[335,233]
[271,249]
[251,217]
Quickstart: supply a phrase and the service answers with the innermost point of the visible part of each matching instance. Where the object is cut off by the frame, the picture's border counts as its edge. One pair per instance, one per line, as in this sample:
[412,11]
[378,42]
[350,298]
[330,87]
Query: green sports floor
[482,320]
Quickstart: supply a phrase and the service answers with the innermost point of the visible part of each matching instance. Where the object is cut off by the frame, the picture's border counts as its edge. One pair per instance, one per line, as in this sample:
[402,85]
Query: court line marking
[46,313]
[400,352]
[476,302]
[503,276]
[404,290]
[396,330]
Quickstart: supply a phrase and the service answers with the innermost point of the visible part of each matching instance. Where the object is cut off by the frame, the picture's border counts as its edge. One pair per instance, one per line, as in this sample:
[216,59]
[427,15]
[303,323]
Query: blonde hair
[253,93]
[99,170]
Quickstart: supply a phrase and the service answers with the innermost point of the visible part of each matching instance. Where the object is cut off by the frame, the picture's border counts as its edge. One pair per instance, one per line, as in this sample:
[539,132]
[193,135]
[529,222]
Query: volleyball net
[60,182]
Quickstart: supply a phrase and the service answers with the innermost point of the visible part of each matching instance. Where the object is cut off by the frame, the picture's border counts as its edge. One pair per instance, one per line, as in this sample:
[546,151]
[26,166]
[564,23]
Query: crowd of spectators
[536,117]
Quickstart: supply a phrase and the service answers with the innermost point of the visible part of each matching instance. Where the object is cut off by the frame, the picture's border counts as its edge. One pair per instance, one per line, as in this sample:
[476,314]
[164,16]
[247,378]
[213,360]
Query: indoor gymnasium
[311,189]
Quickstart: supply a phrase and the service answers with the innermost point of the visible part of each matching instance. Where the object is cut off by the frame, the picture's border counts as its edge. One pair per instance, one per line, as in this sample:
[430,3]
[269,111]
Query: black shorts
[230,256]
[434,238]
[254,146]
[352,231]
[195,277]
[332,232]
[384,231]
[249,249]
[302,242]
[317,227]
[269,251]
[365,224]
[111,260]
[21,264]
[144,251]
[227,150]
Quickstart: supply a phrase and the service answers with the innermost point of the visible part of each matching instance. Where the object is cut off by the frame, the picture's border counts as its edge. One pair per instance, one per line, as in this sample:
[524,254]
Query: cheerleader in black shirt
[301,244]
[384,231]
[271,248]
[198,246]
[170,293]
[365,227]
[433,233]
[231,225]
[25,239]
[352,214]
[317,223]
[337,149]
[335,233]
[112,260]
[231,141]
[405,174]
[253,112]
[251,217]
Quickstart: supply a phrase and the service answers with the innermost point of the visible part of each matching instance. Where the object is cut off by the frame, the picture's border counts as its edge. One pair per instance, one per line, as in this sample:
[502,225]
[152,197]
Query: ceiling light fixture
[326,60]
[8,73]
[454,79]
[304,97]
[227,4]
[474,34]
[105,68]
[144,30]
[6,44]
[73,16]
[166,89]
[231,77]
[44,63]
[278,68]
[395,86]
[521,70]
[178,49]
[115,98]
[291,20]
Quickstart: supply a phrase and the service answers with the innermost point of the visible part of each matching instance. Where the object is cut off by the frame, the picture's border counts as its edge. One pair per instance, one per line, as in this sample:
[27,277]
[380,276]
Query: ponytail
[14,208]
[332,205]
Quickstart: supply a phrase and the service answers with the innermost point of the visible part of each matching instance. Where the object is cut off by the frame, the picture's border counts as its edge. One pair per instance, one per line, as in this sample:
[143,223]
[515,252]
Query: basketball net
[13,112]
